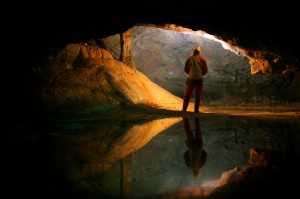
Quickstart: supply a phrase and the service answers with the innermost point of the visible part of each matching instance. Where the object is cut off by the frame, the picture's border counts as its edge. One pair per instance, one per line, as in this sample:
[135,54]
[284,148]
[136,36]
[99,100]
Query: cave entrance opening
[160,54]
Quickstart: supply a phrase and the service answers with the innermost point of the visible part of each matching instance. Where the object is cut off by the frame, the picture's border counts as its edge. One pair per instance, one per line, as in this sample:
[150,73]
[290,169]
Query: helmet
[197,48]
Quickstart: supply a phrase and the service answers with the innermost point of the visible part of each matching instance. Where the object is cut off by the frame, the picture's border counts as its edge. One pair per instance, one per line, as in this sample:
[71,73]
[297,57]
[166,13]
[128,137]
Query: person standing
[196,67]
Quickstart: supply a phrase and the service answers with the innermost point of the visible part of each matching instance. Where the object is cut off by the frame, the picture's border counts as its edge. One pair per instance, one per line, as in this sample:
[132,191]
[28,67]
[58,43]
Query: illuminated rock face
[160,54]
[88,79]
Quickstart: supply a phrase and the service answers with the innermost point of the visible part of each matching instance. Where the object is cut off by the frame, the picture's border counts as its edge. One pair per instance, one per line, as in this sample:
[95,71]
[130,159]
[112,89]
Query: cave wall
[160,54]
[30,31]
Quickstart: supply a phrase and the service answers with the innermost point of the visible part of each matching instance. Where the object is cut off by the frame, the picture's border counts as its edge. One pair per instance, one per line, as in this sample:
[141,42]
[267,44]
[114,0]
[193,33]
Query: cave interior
[252,49]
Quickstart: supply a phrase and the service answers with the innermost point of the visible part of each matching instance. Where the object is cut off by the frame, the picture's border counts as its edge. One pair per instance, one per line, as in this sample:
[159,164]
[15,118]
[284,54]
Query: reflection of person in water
[195,156]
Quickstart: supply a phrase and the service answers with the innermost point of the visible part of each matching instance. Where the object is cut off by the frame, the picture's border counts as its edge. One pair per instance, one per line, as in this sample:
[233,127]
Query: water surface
[136,159]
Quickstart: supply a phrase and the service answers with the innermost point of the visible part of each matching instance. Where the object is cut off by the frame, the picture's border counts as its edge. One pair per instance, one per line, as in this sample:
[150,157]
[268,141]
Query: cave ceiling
[264,31]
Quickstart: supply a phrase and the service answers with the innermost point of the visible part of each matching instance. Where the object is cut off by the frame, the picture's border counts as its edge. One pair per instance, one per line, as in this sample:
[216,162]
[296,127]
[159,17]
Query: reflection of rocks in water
[95,150]
[262,164]
[246,156]
[262,176]
[227,139]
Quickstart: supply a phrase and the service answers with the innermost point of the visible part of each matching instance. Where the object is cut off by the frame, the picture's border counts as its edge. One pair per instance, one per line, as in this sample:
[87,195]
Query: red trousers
[192,85]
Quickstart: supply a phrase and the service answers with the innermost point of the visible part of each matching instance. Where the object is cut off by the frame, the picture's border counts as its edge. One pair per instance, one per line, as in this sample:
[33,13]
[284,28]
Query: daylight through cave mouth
[160,54]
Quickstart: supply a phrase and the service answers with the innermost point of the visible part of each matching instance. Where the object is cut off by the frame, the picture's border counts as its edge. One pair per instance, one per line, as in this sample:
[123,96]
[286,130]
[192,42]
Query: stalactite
[125,39]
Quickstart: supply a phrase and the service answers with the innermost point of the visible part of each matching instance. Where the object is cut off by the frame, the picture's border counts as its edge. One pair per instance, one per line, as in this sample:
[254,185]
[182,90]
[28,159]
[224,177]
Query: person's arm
[204,66]
[187,66]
